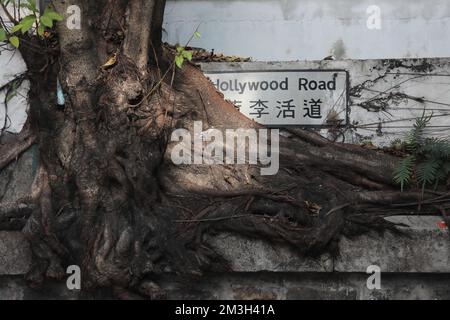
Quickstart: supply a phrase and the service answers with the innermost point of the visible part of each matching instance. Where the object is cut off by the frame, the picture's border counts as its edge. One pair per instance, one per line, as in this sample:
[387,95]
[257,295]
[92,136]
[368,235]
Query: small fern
[429,159]
[437,148]
[415,138]
[427,172]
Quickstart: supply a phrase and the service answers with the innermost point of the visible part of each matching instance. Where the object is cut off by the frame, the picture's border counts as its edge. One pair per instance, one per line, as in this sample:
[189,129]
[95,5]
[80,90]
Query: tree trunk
[107,195]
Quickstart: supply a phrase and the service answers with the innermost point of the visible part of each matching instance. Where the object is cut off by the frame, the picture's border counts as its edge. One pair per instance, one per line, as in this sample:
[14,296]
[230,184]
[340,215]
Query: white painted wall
[15,111]
[289,30]
[11,65]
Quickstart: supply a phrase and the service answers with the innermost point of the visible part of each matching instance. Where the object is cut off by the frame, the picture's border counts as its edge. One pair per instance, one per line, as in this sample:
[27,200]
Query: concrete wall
[13,112]
[289,30]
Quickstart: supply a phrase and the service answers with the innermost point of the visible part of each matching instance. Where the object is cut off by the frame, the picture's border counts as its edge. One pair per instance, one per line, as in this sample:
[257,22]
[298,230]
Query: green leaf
[437,148]
[53,15]
[179,61]
[197,34]
[12,91]
[2,35]
[27,23]
[31,7]
[180,49]
[415,139]
[10,95]
[14,41]
[16,28]
[403,173]
[427,171]
[41,30]
[187,55]
[47,21]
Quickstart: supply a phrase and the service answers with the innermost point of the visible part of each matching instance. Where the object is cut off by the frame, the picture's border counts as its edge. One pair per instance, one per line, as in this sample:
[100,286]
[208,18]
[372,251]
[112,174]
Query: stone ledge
[425,249]
[249,255]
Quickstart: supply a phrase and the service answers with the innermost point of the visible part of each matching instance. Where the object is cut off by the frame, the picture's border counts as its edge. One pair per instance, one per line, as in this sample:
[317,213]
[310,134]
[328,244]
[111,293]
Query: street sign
[287,97]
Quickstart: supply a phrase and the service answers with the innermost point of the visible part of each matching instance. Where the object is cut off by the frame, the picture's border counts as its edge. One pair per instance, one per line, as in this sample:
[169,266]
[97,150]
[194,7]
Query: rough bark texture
[107,196]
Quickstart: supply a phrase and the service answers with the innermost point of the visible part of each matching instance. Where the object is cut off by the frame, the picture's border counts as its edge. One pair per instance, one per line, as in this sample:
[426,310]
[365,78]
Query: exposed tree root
[13,216]
[19,144]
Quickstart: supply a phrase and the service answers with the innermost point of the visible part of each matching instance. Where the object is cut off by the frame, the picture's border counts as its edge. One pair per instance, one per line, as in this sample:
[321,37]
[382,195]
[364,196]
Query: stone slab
[250,255]
[425,249]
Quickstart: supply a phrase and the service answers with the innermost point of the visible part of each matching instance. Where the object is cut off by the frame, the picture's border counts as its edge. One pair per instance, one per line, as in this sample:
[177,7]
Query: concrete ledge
[426,248]
[262,286]
[15,254]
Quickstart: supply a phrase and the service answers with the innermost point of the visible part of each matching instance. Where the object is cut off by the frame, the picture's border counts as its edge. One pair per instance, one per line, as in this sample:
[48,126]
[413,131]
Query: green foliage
[403,173]
[14,41]
[183,54]
[415,138]
[427,171]
[429,159]
[33,22]
[12,90]
[2,35]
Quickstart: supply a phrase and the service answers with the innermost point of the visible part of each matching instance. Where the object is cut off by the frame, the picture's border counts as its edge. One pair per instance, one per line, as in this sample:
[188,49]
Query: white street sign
[287,97]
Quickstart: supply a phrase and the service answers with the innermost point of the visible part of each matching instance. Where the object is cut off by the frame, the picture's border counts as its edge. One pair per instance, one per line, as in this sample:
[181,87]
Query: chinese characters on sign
[286,97]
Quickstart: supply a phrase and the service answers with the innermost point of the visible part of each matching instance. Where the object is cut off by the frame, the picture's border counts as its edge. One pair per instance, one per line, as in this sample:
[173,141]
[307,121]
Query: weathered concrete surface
[311,286]
[250,255]
[263,286]
[425,248]
[311,29]
[15,254]
[16,288]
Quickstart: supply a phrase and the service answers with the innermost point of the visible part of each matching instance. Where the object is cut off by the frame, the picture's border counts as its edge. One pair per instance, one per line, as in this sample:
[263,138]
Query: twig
[8,14]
